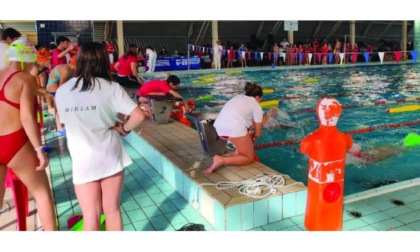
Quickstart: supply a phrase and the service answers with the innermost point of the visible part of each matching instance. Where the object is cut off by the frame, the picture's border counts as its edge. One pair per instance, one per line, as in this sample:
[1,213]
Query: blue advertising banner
[177,63]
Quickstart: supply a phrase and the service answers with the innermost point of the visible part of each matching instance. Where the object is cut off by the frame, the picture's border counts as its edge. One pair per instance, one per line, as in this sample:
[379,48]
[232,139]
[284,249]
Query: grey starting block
[211,143]
[161,107]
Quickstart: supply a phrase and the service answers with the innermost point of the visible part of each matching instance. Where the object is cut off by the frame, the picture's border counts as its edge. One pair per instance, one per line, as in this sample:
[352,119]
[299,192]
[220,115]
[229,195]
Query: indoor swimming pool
[365,92]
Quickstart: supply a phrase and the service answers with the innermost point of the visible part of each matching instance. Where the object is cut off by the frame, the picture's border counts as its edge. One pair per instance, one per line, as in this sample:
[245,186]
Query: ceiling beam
[190,29]
[317,28]
[200,32]
[367,29]
[273,31]
[334,29]
[379,37]
[260,28]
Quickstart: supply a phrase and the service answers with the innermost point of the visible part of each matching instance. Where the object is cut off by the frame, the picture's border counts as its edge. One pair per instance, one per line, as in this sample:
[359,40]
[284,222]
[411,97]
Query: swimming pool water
[300,89]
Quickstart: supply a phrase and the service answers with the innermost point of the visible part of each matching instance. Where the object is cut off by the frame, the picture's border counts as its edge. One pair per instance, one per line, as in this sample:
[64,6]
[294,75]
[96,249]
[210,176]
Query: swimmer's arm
[265,119]
[258,128]
[27,115]
[175,94]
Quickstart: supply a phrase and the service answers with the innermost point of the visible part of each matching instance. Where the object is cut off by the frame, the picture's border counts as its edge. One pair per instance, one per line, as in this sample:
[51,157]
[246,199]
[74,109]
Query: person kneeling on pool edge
[233,122]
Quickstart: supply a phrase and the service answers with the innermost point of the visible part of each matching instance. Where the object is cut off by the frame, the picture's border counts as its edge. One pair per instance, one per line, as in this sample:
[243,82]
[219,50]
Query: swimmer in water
[276,119]
[374,155]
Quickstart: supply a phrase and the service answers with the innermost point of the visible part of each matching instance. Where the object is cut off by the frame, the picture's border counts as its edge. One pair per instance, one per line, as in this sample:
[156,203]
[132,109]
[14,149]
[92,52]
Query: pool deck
[150,202]
[164,185]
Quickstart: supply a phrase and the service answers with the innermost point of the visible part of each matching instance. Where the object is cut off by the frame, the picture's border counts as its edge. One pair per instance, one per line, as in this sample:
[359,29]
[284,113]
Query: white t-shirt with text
[96,151]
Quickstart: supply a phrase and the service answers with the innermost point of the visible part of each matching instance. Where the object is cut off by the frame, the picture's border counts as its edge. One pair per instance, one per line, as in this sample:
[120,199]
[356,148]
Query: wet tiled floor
[150,203]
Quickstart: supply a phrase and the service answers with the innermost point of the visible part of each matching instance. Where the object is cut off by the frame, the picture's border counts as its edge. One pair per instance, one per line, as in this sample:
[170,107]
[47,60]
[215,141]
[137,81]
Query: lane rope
[356,131]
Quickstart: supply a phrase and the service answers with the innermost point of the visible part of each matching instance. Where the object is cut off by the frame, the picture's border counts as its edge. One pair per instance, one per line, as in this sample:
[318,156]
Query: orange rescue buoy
[178,114]
[326,148]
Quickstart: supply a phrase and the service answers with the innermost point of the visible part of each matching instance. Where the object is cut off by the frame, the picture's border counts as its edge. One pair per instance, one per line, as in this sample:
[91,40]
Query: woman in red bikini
[21,147]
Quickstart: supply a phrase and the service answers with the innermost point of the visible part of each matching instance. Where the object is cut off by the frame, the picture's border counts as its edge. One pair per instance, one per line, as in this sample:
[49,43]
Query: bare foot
[217,162]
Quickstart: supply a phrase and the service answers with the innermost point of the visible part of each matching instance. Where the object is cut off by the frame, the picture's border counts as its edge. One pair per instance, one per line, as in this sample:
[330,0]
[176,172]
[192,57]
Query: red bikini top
[2,95]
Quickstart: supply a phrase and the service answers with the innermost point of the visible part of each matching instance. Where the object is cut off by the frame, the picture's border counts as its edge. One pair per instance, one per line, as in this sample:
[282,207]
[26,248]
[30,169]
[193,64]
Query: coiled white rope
[260,186]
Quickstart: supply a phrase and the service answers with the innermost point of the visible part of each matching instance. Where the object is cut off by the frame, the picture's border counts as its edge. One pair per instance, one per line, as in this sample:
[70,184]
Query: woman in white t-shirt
[233,123]
[88,105]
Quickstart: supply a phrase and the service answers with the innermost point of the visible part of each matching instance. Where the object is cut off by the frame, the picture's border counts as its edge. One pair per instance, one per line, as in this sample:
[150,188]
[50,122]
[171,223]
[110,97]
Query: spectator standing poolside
[230,57]
[40,71]
[276,54]
[58,76]
[241,53]
[164,53]
[369,49]
[64,46]
[217,51]
[151,58]
[21,145]
[126,66]
[7,37]
[110,49]
[89,105]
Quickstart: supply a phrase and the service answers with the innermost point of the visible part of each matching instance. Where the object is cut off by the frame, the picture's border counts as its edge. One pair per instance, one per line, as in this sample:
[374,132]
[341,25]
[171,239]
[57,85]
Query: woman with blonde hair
[21,146]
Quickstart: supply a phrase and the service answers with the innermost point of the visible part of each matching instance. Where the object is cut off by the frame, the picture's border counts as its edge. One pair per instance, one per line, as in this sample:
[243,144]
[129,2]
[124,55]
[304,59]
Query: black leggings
[127,81]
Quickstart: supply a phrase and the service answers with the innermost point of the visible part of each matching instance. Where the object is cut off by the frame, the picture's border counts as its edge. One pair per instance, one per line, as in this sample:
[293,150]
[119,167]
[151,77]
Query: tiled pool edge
[381,190]
[239,217]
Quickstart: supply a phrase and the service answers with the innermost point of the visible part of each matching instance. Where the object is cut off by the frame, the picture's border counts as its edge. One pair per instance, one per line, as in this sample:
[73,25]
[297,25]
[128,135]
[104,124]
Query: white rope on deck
[258,187]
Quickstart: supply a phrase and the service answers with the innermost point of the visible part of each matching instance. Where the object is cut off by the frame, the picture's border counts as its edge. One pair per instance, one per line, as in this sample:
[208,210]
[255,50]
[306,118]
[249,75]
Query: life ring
[269,103]
[403,109]
[203,81]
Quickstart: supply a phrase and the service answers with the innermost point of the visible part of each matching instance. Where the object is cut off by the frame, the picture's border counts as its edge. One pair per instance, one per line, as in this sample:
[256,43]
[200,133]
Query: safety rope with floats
[356,131]
[339,94]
